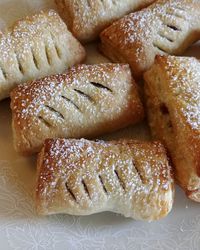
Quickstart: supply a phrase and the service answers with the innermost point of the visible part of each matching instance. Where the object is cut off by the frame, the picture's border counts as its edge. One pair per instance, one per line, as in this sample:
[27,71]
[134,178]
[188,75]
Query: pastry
[172,87]
[81,177]
[35,47]
[87,101]
[87,18]
[165,27]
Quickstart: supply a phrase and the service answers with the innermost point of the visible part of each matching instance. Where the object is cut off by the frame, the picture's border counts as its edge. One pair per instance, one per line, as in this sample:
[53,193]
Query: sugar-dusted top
[184,85]
[122,173]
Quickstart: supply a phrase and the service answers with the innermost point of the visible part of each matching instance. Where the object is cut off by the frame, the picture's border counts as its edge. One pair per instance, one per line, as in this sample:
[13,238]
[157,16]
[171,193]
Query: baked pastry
[87,101]
[34,47]
[173,99]
[81,177]
[87,18]
[165,27]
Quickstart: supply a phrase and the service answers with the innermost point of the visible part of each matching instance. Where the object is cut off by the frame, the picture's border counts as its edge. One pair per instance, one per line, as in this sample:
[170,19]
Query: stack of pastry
[56,103]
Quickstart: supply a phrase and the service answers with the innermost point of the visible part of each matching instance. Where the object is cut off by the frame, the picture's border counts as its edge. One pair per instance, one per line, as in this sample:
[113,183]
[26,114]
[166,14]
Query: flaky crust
[34,47]
[165,27]
[87,18]
[173,100]
[81,177]
[87,101]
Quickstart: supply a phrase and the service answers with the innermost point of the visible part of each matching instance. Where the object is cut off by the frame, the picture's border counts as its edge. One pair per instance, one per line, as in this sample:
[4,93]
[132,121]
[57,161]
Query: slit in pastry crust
[86,101]
[35,47]
[96,183]
[163,27]
[173,101]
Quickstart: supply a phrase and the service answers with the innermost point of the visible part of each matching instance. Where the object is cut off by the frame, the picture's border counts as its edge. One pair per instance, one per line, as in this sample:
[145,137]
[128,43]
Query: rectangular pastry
[87,101]
[34,47]
[172,87]
[165,27]
[87,18]
[81,177]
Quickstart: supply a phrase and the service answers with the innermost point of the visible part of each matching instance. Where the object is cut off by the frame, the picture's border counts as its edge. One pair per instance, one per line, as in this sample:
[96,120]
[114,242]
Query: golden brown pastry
[34,47]
[173,99]
[81,177]
[87,101]
[165,27]
[87,18]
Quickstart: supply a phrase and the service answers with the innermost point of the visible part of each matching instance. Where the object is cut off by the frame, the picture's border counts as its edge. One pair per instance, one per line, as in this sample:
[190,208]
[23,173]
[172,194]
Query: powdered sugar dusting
[34,47]
[150,20]
[89,18]
[161,28]
[87,100]
[117,173]
[184,74]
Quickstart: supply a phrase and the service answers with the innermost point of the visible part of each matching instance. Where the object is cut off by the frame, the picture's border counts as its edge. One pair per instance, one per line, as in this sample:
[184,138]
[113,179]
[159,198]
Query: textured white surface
[22,229]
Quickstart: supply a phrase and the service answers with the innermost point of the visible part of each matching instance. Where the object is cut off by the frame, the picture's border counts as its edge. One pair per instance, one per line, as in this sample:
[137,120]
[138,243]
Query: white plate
[22,229]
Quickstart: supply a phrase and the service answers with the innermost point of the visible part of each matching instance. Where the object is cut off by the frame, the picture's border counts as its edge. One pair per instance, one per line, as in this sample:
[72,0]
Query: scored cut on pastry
[34,47]
[87,18]
[81,177]
[165,27]
[172,87]
[86,101]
